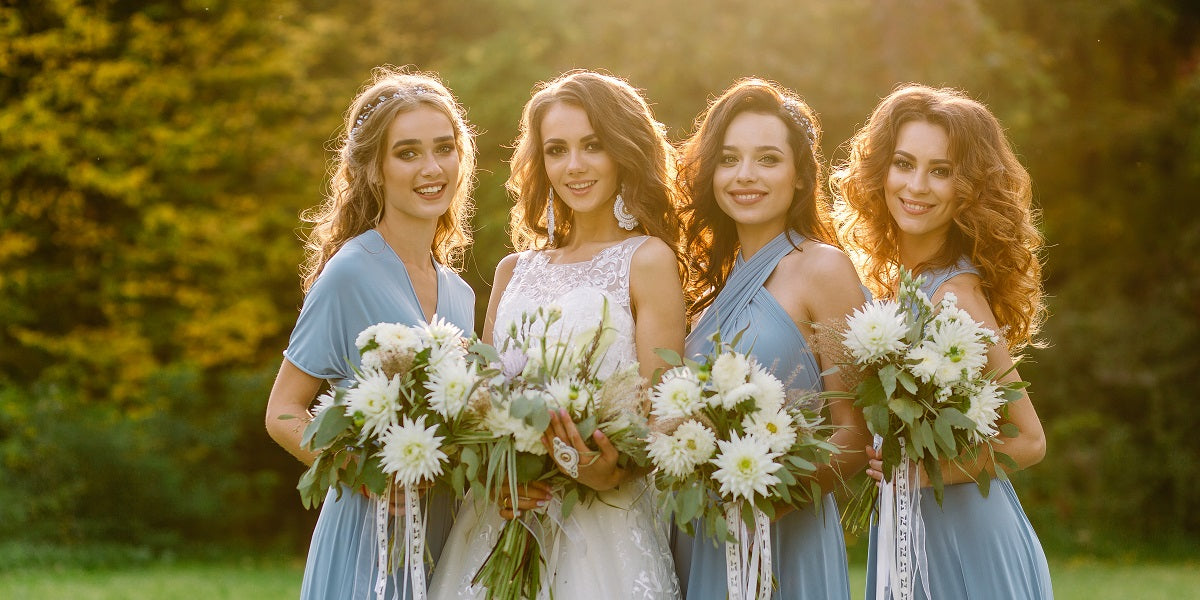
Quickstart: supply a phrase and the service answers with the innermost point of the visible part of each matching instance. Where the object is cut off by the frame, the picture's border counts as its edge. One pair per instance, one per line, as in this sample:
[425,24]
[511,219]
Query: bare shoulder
[817,263]
[653,254]
[968,293]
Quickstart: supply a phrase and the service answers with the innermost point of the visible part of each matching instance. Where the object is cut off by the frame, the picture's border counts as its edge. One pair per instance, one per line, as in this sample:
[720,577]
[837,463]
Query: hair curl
[630,135]
[354,202]
[994,224]
[711,235]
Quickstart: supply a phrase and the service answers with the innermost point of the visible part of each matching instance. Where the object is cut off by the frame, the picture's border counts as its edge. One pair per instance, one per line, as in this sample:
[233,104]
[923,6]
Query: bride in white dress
[597,224]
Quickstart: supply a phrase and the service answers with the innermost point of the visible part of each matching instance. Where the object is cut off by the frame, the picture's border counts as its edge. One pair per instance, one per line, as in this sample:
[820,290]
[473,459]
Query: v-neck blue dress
[808,551]
[977,548]
[362,284]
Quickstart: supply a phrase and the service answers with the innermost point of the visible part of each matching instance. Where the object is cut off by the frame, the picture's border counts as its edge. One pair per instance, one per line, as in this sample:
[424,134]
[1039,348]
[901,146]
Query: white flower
[376,400]
[677,395]
[569,394]
[923,361]
[512,362]
[775,428]
[745,467]
[729,371]
[501,423]
[875,331]
[449,387]
[411,452]
[771,395]
[441,332]
[730,399]
[679,454]
[983,410]
[962,355]
[323,402]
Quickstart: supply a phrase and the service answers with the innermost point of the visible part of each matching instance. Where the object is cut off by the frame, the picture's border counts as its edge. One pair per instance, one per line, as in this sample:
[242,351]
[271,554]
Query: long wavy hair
[712,243]
[994,224]
[354,202]
[630,135]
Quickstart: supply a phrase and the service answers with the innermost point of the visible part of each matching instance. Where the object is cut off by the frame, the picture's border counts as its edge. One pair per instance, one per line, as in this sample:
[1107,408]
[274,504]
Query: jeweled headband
[412,92]
[793,109]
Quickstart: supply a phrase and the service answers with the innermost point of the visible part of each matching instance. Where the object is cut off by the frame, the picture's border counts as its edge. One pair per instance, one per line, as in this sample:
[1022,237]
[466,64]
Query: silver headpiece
[412,92]
[792,108]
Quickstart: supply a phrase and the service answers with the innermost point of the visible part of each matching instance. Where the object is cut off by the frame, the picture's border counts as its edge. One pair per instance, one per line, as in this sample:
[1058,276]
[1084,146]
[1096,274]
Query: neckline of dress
[546,254]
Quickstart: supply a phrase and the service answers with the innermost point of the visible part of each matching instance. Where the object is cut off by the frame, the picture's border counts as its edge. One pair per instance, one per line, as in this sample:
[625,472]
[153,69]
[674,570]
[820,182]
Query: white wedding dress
[615,547]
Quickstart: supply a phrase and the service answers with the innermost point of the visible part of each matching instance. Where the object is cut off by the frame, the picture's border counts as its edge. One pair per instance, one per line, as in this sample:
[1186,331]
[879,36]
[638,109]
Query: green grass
[1081,579]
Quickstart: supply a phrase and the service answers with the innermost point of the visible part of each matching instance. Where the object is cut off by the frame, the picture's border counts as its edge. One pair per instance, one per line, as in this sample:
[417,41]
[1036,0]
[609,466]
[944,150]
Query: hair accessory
[792,108]
[550,216]
[624,218]
[412,92]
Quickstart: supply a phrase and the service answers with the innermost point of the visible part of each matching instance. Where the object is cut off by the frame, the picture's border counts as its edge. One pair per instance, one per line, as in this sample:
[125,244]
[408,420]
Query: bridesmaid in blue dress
[933,185]
[394,218]
[765,260]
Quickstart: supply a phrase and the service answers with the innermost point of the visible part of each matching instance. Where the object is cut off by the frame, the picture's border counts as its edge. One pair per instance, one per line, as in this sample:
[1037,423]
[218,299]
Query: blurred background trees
[156,156]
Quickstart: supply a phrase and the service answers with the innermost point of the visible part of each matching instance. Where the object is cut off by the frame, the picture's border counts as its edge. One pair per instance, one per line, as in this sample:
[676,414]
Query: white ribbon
[900,543]
[414,543]
[748,556]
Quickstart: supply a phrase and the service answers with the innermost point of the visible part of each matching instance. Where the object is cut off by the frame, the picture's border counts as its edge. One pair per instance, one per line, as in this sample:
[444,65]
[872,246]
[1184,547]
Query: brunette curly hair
[712,244]
[630,135]
[354,202]
[994,224]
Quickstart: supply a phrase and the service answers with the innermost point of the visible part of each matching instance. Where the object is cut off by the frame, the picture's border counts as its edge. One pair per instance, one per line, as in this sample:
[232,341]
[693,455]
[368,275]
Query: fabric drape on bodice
[770,334]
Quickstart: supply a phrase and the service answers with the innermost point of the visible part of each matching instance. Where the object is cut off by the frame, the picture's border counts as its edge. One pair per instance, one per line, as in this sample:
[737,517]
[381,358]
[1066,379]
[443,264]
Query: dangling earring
[624,218]
[550,217]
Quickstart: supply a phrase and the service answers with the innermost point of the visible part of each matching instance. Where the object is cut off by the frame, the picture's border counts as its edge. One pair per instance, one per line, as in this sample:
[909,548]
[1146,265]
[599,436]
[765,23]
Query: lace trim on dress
[607,271]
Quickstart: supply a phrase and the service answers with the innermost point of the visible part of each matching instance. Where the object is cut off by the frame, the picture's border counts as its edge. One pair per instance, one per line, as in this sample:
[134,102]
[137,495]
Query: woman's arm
[504,273]
[1028,448]
[291,395]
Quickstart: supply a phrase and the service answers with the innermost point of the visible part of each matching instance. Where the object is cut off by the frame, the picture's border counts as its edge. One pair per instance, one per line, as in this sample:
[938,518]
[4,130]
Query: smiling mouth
[431,190]
[747,197]
[915,207]
[579,187]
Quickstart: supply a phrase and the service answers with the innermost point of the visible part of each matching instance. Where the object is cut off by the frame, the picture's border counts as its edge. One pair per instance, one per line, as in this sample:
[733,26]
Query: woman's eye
[769,159]
[406,155]
[555,150]
[594,147]
[445,149]
[902,164]
[728,159]
[942,172]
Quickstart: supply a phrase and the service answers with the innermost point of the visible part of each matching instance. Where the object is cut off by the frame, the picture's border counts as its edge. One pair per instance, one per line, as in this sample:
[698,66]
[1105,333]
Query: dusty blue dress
[808,551]
[977,548]
[363,284]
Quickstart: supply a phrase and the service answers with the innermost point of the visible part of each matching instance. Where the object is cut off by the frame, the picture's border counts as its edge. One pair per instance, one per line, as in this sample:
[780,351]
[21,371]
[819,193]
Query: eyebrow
[758,148]
[936,161]
[416,142]
[586,138]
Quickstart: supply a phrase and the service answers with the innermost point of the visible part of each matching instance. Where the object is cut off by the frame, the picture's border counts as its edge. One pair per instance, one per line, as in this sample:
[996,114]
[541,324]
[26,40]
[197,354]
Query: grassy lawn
[1083,579]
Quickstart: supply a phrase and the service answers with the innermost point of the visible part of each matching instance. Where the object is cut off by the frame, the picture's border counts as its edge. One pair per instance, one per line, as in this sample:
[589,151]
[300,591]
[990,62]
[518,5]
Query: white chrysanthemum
[730,399]
[697,440]
[394,337]
[923,361]
[569,394]
[323,402]
[962,355]
[874,331]
[376,400]
[745,467]
[366,336]
[983,411]
[677,395]
[449,387]
[412,452]
[730,370]
[771,394]
[501,423]
[773,427]
[668,454]
[441,332]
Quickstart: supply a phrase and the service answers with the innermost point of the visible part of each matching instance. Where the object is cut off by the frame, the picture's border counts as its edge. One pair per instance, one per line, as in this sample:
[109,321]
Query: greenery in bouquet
[923,389]
[542,366]
[726,431]
[402,420]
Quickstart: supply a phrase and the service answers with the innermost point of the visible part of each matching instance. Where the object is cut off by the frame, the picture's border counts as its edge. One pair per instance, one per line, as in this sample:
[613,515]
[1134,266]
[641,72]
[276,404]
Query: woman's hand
[397,499]
[597,469]
[530,496]
[875,465]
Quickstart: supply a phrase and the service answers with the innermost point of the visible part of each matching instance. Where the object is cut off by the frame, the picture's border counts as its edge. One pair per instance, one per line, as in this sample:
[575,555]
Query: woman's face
[755,178]
[420,164]
[919,189]
[583,174]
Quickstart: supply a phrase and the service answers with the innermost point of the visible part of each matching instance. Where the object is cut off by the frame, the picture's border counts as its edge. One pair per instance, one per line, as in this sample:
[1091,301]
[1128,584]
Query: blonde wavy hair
[354,201]
[994,224]
[630,135]
[712,243]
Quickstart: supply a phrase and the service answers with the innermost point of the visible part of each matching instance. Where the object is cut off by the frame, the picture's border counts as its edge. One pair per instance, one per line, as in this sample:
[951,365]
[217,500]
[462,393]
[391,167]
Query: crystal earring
[624,218]
[550,217]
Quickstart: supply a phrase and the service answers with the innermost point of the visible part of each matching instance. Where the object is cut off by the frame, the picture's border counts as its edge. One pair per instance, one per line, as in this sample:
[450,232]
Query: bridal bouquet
[542,367]
[729,450]
[398,425]
[926,397]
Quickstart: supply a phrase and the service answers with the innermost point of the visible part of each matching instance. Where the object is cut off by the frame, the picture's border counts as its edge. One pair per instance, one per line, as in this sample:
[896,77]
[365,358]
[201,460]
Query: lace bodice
[580,290]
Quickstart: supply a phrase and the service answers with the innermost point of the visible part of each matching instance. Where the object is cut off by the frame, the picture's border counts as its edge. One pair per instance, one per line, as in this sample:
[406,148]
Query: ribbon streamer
[413,539]
[748,556]
[900,535]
